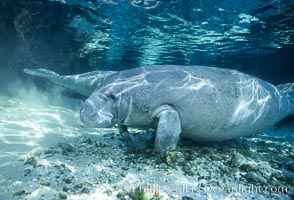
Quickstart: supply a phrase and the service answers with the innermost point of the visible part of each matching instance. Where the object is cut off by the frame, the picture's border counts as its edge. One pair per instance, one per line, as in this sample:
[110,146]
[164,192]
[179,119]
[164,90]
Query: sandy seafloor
[46,153]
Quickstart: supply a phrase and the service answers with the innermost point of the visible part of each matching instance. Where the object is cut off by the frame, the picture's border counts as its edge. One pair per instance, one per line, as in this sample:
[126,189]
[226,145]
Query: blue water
[75,36]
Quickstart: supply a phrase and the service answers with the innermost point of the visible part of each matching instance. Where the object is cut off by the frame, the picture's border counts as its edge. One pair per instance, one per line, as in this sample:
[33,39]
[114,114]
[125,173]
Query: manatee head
[98,111]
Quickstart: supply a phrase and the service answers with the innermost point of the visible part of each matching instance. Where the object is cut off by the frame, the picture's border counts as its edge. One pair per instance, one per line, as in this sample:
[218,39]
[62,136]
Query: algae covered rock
[247,167]
[237,159]
[140,194]
[31,161]
[253,177]
[189,169]
[175,158]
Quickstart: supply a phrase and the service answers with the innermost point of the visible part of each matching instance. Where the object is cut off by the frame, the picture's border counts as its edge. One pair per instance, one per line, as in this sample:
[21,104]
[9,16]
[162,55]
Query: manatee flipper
[168,129]
[83,84]
[123,130]
[288,90]
[131,145]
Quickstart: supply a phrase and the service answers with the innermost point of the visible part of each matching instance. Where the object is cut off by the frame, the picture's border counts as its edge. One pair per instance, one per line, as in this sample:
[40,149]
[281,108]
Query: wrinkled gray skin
[83,84]
[200,103]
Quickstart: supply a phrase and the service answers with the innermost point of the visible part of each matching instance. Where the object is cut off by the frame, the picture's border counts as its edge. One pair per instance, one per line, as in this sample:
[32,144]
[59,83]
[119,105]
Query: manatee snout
[96,113]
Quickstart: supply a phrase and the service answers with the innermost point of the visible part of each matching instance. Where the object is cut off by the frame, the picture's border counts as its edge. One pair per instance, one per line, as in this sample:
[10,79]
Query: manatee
[195,102]
[83,84]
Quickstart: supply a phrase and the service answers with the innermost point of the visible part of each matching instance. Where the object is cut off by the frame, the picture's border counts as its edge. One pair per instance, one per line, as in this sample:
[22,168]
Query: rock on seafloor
[102,168]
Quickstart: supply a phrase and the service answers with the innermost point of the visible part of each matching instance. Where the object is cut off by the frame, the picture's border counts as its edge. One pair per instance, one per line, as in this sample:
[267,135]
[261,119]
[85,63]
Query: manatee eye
[110,95]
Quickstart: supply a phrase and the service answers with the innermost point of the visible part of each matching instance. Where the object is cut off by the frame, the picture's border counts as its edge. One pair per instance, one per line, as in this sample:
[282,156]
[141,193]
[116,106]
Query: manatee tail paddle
[44,73]
[288,89]
[83,84]
[47,74]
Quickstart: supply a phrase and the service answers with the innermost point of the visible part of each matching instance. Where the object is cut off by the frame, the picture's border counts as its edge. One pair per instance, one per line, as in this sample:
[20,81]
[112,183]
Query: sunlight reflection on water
[25,126]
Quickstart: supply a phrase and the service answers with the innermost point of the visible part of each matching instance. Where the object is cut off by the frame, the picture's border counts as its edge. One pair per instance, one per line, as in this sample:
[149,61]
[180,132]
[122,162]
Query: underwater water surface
[46,152]
[75,36]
